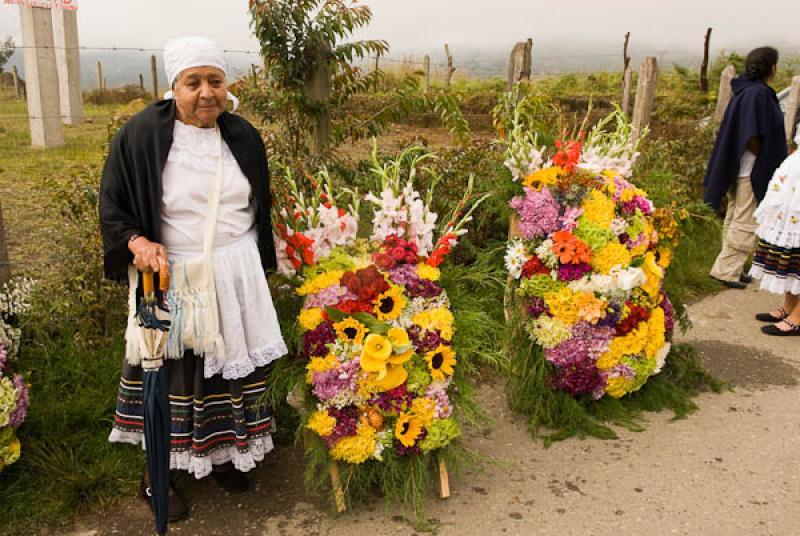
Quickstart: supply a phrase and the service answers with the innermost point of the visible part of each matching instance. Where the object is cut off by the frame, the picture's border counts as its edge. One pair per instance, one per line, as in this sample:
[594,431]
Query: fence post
[704,66]
[515,67]
[17,88]
[253,71]
[792,106]
[627,80]
[141,82]
[99,75]
[154,75]
[645,96]
[426,66]
[5,264]
[41,77]
[527,61]
[725,92]
[68,63]
[450,68]
[626,60]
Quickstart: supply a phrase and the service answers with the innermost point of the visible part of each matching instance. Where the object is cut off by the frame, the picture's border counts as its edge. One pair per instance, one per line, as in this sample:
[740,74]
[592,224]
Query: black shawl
[754,110]
[130,189]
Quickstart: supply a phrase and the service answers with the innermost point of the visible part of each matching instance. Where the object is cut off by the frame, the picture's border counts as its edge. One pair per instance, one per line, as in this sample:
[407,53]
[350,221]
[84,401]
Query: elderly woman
[185,180]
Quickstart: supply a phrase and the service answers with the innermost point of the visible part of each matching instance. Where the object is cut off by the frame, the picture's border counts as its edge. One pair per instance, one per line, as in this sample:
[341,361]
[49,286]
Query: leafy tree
[6,51]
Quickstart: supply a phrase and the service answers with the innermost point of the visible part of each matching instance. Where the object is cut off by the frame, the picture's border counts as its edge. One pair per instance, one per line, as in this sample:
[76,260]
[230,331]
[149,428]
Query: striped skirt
[214,420]
[778,268]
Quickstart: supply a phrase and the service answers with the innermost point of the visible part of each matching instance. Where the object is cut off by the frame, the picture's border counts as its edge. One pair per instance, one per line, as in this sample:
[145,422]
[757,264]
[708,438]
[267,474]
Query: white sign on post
[47,4]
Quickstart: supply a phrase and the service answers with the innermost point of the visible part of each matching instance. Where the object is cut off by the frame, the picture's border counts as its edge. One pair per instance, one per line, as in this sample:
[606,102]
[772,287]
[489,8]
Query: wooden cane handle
[163,277]
[147,282]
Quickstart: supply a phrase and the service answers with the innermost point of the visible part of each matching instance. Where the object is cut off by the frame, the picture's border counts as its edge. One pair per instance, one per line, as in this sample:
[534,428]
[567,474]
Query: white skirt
[778,214]
[248,321]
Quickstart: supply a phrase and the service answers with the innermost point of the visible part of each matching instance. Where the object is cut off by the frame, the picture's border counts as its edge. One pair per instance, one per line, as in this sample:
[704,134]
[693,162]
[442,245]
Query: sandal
[793,331]
[768,317]
[177,510]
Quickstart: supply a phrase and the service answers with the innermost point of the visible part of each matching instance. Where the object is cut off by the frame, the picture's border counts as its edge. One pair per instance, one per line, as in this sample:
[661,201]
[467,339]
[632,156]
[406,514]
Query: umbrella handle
[163,276]
[147,283]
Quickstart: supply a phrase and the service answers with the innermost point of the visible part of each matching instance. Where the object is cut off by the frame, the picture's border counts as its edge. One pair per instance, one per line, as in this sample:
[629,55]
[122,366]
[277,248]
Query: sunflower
[350,330]
[407,429]
[441,362]
[376,353]
[390,304]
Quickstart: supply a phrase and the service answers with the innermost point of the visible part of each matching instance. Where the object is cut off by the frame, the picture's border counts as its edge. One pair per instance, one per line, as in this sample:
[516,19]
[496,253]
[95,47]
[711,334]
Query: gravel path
[729,469]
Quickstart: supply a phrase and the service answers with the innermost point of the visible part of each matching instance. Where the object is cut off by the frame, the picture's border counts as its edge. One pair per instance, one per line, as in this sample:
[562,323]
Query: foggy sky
[420,25]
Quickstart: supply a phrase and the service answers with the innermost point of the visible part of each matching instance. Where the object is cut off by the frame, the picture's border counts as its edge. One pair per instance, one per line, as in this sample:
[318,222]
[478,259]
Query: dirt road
[729,469]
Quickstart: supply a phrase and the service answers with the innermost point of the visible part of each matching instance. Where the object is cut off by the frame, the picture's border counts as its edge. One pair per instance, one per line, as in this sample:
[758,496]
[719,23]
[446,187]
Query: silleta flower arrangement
[377,329]
[13,389]
[586,258]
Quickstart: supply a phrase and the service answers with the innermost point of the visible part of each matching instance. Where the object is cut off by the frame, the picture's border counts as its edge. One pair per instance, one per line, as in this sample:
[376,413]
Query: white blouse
[248,320]
[191,165]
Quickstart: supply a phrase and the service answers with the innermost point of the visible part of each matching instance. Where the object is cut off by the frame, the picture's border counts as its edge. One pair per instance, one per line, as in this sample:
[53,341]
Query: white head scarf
[193,51]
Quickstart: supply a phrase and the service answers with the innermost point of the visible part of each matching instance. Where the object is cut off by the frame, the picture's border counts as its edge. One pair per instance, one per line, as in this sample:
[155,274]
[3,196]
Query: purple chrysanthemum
[579,379]
[346,424]
[424,341]
[314,341]
[669,315]
[394,400]
[573,272]
[329,384]
[536,307]
[17,417]
[538,212]
[3,358]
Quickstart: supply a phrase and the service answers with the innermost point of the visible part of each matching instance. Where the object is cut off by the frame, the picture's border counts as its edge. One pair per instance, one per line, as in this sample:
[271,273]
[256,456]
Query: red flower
[366,283]
[568,155]
[354,306]
[534,266]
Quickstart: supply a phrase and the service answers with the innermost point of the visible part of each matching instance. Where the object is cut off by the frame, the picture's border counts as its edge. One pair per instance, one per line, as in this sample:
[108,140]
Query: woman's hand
[148,256]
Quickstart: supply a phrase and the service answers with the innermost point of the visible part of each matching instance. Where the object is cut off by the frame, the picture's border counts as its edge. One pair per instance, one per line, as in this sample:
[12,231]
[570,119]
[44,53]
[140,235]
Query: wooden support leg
[338,492]
[444,480]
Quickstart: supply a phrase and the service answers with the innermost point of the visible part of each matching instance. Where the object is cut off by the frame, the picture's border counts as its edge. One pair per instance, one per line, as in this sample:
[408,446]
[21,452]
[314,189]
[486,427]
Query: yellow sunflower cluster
[390,304]
[321,282]
[439,318]
[426,271]
[609,256]
[321,423]
[562,305]
[355,449]
[310,318]
[320,364]
[543,177]
[598,208]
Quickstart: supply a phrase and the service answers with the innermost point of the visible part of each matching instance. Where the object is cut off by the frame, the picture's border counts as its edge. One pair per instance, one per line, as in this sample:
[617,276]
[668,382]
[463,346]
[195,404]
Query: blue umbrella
[153,320]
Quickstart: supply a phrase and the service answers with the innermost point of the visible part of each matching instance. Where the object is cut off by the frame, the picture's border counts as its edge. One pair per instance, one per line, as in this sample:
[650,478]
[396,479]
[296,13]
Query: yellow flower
[598,209]
[441,362]
[310,318]
[664,257]
[617,387]
[367,386]
[440,319]
[654,274]
[542,177]
[375,355]
[655,333]
[350,330]
[390,304]
[395,376]
[562,305]
[426,271]
[320,364]
[401,345]
[355,449]
[613,254]
[590,308]
[423,408]
[321,423]
[322,281]
[407,429]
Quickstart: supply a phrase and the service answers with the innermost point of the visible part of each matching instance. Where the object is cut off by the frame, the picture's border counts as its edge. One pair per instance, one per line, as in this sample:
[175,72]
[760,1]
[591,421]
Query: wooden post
[627,80]
[253,71]
[704,66]
[527,61]
[318,90]
[17,85]
[626,60]
[450,68]
[515,65]
[338,492]
[99,75]
[725,92]
[154,75]
[444,480]
[645,96]
[426,66]
[141,82]
[5,264]
[792,106]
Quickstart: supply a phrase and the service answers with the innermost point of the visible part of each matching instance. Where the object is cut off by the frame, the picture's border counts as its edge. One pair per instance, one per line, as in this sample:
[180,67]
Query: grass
[72,350]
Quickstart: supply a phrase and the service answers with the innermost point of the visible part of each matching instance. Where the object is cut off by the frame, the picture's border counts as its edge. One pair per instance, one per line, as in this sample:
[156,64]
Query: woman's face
[200,95]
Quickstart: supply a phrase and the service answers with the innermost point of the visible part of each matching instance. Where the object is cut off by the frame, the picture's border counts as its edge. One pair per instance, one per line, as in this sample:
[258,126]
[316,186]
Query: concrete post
[792,108]
[645,96]
[41,77]
[68,61]
[725,91]
[141,82]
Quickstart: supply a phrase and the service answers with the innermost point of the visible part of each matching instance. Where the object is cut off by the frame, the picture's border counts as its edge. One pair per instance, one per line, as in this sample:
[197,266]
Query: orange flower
[570,249]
